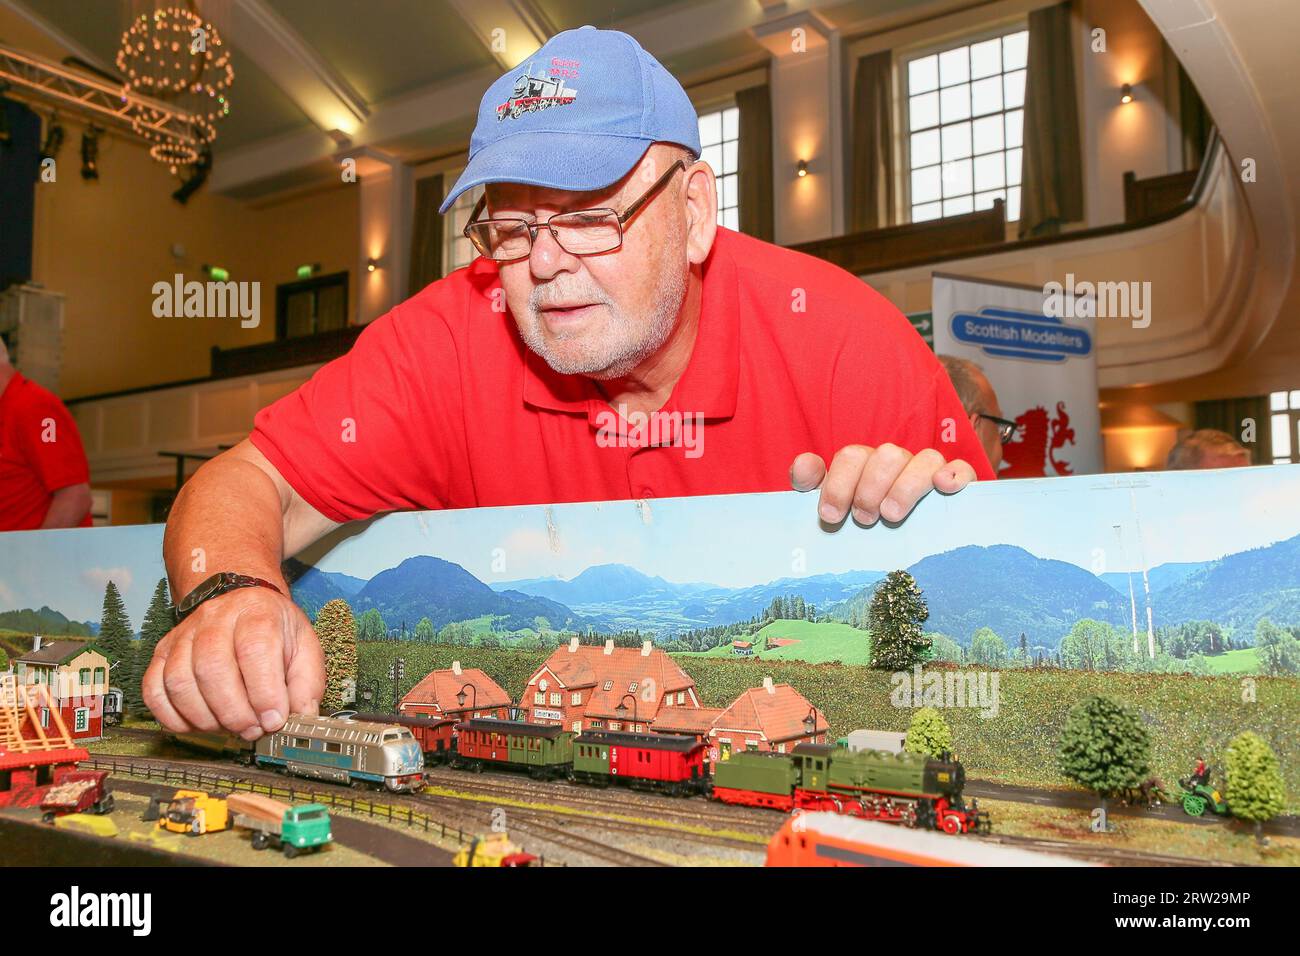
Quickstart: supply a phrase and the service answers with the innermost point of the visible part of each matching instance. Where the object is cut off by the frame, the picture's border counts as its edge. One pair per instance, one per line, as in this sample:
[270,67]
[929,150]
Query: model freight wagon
[293,830]
[544,751]
[669,763]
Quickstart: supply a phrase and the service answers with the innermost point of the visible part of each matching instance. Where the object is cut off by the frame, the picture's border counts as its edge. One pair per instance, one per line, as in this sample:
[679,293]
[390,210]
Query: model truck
[79,791]
[291,829]
[192,812]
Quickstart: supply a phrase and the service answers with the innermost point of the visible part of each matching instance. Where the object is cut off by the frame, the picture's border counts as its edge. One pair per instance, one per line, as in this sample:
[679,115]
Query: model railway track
[1098,854]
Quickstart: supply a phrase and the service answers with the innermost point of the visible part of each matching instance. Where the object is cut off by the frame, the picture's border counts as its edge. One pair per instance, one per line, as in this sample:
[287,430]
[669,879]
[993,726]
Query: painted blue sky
[734,541]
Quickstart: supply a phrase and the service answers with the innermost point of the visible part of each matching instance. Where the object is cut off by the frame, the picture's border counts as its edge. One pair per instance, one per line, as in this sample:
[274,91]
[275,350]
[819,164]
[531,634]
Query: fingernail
[828,512]
[313,707]
[863,517]
[252,733]
[891,509]
[271,720]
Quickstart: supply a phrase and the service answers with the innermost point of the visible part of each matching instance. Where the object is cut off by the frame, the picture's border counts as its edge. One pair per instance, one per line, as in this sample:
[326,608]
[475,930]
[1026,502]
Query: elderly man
[981,405]
[44,477]
[610,342]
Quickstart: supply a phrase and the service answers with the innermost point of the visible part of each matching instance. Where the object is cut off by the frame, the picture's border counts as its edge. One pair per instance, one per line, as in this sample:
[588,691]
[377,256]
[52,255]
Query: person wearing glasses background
[981,404]
[603,282]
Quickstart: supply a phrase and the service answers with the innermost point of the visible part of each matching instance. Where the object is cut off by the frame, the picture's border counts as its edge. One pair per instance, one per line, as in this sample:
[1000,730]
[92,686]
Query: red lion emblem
[1037,440]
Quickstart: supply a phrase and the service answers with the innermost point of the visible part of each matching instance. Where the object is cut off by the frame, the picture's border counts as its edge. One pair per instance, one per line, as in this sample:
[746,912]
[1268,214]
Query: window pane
[954,66]
[985,200]
[731,123]
[1015,126]
[1015,50]
[923,75]
[731,219]
[987,134]
[1014,89]
[1295,399]
[1277,402]
[989,172]
[710,129]
[956,141]
[955,103]
[1013,204]
[986,96]
[1282,435]
[924,111]
[925,148]
[1013,167]
[929,211]
[729,155]
[986,58]
[956,178]
[713,156]
[925,184]
[958,207]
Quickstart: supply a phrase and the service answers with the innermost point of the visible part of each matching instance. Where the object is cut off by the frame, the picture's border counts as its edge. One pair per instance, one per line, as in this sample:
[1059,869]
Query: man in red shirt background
[611,342]
[44,477]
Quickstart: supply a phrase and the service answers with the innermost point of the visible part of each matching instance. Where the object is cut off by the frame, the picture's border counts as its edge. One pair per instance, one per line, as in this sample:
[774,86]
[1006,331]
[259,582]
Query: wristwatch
[217,585]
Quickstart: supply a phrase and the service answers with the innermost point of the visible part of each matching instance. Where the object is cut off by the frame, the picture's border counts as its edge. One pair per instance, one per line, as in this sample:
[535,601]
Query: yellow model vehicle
[495,850]
[189,811]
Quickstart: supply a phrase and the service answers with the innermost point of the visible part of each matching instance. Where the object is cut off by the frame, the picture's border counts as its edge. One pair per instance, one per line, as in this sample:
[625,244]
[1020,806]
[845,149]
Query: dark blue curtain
[20,147]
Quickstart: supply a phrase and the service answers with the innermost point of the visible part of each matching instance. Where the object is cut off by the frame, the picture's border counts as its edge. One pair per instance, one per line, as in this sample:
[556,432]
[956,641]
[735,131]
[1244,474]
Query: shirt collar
[711,380]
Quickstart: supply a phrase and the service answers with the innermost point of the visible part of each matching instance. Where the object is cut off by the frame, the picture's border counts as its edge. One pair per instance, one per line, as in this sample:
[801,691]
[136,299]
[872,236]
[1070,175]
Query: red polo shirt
[40,452]
[440,405]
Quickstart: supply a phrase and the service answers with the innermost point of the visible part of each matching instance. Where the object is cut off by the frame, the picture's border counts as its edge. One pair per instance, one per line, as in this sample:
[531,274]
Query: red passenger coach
[435,735]
[669,763]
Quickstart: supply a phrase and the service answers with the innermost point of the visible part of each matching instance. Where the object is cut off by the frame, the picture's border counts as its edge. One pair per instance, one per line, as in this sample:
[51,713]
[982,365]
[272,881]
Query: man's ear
[701,195]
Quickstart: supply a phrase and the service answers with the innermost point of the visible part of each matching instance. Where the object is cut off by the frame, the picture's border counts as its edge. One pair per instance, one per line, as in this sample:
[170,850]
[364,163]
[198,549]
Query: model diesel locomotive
[344,751]
[910,789]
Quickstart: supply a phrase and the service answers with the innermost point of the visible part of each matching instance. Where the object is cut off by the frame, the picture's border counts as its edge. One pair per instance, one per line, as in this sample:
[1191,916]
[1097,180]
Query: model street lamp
[473,701]
[621,709]
[810,722]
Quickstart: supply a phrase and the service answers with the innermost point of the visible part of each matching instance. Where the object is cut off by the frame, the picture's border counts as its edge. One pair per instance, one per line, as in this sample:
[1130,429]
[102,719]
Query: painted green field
[818,643]
[1244,661]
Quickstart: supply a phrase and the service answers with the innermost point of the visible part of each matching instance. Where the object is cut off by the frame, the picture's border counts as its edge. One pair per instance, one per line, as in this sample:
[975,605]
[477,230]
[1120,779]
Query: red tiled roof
[778,714]
[589,666]
[441,687]
[686,720]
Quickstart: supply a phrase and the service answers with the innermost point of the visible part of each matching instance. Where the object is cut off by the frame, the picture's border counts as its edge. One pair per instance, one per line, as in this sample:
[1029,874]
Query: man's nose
[548,257]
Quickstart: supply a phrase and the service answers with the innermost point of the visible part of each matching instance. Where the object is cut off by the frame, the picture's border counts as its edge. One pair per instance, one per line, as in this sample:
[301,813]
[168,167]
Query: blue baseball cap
[576,115]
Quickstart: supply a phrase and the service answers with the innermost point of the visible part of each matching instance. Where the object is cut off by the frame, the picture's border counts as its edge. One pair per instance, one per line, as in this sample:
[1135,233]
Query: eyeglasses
[583,232]
[1006,428]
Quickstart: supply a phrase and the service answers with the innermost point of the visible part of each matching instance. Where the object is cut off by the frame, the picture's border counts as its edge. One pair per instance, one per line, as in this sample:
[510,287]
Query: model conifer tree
[115,627]
[897,613]
[158,620]
[1253,788]
[1104,747]
[337,631]
[928,734]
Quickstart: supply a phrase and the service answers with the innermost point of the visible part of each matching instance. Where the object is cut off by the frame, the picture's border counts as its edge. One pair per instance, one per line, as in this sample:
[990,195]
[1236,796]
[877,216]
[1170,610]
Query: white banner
[1038,352]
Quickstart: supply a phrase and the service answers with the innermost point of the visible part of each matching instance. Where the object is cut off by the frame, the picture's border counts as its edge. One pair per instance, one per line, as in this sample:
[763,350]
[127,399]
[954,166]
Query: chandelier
[174,54]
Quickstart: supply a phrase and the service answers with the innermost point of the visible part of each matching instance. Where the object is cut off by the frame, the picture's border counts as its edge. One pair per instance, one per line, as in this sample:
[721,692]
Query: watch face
[201,593]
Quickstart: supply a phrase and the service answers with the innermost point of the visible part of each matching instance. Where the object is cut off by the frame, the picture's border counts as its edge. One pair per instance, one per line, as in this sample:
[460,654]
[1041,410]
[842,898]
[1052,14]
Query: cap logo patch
[534,93]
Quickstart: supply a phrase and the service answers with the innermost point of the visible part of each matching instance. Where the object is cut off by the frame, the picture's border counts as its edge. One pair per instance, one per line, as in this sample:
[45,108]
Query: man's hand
[243,661]
[885,482]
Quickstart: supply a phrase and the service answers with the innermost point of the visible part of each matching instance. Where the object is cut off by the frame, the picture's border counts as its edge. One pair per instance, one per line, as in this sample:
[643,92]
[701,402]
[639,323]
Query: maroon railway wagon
[664,762]
[435,735]
[544,751]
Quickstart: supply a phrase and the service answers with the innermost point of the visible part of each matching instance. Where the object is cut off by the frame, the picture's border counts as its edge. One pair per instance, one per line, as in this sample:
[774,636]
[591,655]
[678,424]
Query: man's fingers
[882,470]
[841,481]
[954,476]
[154,693]
[182,687]
[259,652]
[807,472]
[306,672]
[216,671]
[914,482]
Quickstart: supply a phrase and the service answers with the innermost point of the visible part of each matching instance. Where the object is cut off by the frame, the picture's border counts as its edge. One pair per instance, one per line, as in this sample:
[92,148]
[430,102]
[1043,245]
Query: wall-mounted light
[801,170]
[1126,94]
[308,270]
[90,153]
[371,265]
[216,273]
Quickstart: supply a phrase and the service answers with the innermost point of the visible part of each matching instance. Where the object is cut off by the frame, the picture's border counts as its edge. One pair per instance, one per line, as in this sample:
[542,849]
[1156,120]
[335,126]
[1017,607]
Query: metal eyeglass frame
[533,226]
[1006,428]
